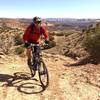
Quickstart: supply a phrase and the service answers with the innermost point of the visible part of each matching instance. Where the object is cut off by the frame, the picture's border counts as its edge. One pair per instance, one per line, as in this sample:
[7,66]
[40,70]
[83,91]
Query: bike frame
[38,60]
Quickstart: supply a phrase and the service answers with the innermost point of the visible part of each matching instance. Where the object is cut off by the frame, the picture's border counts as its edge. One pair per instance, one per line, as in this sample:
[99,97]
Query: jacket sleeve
[26,33]
[45,33]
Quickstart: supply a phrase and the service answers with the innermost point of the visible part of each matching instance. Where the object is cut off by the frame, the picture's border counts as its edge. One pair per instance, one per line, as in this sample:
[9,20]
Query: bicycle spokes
[43,75]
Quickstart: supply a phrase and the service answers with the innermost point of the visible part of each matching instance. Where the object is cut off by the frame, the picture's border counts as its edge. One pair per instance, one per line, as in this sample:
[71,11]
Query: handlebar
[42,46]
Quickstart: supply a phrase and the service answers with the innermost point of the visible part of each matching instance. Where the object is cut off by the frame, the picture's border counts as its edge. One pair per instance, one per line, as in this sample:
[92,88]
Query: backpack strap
[32,28]
[41,29]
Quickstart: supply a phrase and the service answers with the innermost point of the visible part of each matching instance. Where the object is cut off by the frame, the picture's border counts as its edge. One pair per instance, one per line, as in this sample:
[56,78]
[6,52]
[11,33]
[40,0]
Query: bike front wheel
[43,74]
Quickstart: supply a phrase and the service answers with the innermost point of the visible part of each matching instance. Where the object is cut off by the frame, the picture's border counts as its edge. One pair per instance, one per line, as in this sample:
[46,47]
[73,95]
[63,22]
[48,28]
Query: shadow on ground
[22,81]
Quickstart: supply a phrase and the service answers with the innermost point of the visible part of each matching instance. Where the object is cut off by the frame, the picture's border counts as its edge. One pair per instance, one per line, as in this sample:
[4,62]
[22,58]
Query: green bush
[51,38]
[18,39]
[92,41]
[52,44]
[19,50]
[67,34]
[60,34]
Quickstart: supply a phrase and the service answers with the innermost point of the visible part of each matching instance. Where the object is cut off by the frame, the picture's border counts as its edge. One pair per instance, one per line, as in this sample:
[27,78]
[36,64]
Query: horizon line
[45,18]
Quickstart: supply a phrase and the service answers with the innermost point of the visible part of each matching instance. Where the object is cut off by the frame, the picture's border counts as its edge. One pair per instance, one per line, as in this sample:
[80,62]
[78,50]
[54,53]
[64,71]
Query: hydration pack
[32,28]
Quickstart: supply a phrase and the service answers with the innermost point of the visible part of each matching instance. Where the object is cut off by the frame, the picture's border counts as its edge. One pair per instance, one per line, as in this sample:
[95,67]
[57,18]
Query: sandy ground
[65,82]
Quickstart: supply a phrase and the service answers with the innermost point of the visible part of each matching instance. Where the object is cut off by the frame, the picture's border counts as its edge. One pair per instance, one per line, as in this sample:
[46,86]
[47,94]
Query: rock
[2,56]
[1,62]
[1,53]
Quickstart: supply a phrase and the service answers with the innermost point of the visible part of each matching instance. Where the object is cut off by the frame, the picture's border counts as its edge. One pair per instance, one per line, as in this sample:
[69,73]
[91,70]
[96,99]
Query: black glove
[26,44]
[46,41]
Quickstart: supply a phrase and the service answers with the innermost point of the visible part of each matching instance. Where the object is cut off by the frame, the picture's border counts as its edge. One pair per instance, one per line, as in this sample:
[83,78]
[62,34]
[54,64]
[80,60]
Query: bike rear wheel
[43,74]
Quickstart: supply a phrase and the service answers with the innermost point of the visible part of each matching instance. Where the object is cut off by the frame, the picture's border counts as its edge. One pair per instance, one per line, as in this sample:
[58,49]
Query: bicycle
[37,63]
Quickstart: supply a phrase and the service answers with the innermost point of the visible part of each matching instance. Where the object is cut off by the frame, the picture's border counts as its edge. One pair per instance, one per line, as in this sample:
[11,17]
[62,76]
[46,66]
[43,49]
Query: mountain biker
[32,35]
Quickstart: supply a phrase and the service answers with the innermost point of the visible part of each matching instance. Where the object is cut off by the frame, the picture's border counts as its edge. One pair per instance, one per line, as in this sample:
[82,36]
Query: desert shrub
[18,39]
[92,41]
[60,34]
[51,38]
[19,50]
[52,44]
[52,33]
[67,34]
[6,42]
[9,38]
[71,54]
[63,33]
[52,41]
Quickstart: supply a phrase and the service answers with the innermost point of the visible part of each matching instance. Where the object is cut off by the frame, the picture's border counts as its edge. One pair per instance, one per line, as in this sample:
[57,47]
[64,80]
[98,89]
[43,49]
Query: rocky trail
[66,82]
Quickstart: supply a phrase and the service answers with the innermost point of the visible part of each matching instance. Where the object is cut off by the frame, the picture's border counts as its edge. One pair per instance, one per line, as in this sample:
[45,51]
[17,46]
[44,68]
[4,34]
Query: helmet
[36,19]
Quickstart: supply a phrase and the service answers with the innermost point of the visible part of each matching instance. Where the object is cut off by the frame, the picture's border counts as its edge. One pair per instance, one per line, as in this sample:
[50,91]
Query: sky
[50,8]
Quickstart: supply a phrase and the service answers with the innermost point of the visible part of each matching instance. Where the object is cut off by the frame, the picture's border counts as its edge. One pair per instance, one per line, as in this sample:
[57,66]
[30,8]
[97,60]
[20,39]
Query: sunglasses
[37,22]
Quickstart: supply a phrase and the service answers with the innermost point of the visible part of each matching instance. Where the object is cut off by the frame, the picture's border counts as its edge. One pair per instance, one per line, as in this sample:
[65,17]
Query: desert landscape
[73,61]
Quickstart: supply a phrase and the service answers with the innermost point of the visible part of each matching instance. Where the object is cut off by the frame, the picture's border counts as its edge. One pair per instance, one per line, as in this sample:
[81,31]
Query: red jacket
[35,36]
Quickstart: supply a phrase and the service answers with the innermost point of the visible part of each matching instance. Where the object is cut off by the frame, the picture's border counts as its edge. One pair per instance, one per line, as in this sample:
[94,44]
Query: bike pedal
[32,75]
[32,78]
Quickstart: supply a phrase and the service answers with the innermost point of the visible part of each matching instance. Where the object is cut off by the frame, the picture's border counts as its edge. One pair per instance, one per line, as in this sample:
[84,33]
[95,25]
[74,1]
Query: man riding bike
[32,35]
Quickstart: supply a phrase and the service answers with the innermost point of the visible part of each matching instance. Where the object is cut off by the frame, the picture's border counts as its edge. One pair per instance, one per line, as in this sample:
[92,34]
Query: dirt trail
[66,82]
